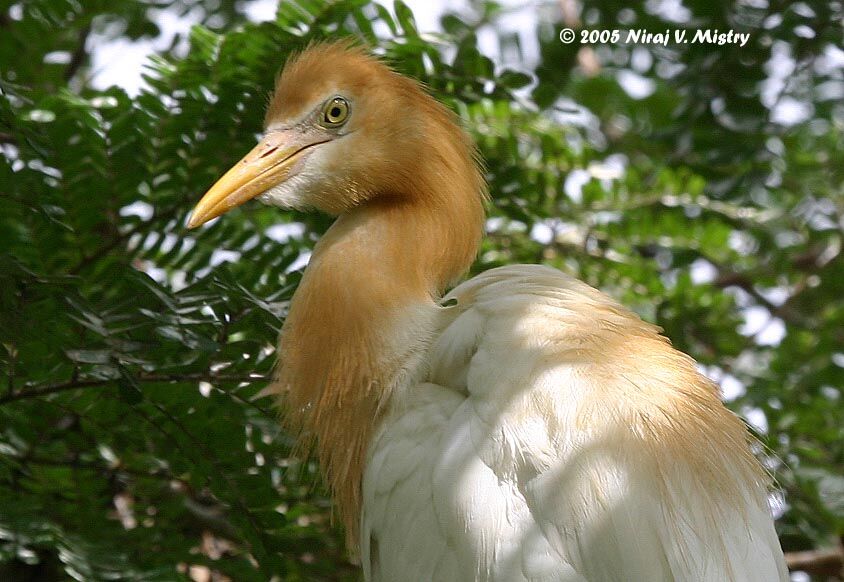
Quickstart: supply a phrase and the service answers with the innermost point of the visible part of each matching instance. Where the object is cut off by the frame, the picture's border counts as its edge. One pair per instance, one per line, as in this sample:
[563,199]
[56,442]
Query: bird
[517,426]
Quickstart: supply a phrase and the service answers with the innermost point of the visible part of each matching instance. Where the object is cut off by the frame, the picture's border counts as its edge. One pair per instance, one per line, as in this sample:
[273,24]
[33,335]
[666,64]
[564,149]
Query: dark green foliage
[133,439]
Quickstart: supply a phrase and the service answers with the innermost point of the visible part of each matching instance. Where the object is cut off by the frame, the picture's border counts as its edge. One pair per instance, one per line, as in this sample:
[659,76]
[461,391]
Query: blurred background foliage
[699,184]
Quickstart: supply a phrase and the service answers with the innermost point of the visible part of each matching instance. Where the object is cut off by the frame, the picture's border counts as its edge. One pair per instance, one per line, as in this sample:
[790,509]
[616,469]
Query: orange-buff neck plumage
[524,426]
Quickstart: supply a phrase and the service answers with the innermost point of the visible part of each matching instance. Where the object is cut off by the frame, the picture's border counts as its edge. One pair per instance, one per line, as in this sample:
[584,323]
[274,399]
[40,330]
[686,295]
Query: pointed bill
[266,165]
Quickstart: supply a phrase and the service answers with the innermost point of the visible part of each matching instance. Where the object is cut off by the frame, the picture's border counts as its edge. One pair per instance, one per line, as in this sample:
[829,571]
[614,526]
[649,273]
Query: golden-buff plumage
[524,426]
[417,234]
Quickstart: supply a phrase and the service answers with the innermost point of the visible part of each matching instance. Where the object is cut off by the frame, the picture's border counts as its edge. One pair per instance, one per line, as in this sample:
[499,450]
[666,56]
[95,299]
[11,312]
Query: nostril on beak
[268,152]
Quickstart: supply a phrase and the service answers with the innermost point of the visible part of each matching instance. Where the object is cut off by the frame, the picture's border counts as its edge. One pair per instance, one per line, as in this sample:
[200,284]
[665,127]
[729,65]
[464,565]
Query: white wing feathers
[560,438]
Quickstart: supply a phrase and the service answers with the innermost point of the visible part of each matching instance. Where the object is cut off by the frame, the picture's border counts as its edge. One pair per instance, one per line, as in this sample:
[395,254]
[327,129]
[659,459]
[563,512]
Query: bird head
[341,129]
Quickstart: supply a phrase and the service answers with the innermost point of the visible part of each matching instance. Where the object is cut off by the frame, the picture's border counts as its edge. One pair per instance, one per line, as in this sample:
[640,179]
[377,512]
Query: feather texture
[556,436]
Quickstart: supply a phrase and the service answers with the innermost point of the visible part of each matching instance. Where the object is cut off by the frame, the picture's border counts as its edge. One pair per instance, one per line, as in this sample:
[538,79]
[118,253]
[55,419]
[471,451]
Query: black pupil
[335,112]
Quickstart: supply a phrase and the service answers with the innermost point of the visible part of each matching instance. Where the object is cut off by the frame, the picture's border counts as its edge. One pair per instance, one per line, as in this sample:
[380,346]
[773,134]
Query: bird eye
[335,112]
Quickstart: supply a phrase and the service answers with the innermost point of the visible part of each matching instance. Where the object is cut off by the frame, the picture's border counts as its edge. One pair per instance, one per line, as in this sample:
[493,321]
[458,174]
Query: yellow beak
[266,165]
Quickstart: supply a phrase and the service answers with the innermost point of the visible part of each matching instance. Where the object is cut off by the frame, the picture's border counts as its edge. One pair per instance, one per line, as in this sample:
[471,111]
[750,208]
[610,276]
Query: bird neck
[360,324]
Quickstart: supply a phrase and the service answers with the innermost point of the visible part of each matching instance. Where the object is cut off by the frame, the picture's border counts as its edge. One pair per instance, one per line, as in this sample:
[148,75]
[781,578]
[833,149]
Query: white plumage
[510,457]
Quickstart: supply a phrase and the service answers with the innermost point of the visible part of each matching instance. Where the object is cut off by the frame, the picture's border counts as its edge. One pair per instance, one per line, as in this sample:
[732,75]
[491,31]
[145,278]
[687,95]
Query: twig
[238,499]
[159,474]
[13,358]
[76,384]
[727,278]
[119,239]
[79,55]
[211,517]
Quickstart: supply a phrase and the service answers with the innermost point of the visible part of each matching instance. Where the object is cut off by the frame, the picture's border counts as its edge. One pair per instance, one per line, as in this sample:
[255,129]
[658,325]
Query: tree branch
[77,59]
[825,563]
[159,474]
[728,278]
[77,384]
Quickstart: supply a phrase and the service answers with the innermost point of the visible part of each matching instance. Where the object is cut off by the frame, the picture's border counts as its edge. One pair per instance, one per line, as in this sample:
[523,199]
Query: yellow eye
[335,112]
